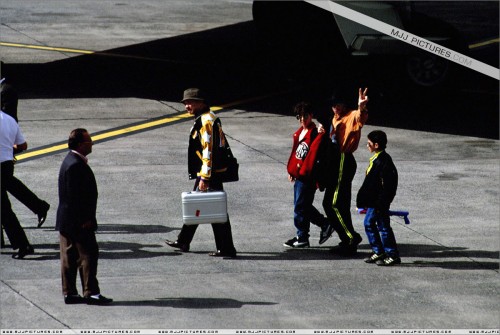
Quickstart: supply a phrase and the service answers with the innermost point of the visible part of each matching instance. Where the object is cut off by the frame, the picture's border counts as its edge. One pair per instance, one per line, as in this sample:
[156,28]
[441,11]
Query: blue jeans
[379,232]
[304,211]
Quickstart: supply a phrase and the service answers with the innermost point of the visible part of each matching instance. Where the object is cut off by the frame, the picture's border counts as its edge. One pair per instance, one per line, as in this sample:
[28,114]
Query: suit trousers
[79,254]
[222,231]
[10,223]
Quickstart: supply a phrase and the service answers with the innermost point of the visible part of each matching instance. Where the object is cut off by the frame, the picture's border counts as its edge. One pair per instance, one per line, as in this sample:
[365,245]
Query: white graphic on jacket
[302,150]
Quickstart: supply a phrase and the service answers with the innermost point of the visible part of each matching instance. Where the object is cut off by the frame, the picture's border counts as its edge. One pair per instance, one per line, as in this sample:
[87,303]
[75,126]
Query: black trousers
[222,231]
[337,200]
[10,223]
[22,193]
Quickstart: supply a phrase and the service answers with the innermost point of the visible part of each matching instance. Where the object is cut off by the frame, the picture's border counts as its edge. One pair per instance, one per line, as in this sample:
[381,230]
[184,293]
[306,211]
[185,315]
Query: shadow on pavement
[120,229]
[458,265]
[470,259]
[474,259]
[193,303]
[107,250]
[133,229]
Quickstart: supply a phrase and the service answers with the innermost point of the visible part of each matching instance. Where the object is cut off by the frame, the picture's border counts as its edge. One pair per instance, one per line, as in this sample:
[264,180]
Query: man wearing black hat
[205,140]
[344,132]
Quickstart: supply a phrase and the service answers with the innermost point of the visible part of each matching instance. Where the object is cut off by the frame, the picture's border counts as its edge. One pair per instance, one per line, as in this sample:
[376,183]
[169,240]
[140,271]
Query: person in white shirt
[11,138]
[9,102]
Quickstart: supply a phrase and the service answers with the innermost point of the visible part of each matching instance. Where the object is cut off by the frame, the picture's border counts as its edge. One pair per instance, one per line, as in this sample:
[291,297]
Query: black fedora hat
[193,94]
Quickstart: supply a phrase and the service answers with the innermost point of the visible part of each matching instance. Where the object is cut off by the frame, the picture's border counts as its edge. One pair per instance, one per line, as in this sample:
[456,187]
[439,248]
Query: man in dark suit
[76,222]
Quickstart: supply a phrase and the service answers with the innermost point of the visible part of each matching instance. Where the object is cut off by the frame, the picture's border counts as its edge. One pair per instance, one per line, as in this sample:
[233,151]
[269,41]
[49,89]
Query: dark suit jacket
[77,196]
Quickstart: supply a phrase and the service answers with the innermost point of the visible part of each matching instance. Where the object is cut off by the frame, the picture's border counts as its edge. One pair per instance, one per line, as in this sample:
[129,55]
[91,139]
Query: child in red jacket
[304,185]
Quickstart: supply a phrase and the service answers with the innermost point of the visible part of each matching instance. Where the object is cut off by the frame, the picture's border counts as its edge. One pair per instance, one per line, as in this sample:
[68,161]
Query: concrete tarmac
[449,276]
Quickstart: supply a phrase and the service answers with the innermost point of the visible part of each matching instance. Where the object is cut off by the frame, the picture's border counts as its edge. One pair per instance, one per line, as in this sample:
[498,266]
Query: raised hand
[363,99]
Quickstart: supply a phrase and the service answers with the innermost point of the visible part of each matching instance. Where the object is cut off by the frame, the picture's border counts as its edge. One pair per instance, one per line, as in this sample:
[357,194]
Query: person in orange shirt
[344,130]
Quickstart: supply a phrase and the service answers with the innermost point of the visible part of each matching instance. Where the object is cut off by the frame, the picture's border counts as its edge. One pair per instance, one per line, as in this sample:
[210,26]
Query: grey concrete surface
[449,183]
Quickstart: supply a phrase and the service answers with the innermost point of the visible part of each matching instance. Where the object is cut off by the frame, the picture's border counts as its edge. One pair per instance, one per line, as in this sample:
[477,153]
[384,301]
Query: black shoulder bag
[231,163]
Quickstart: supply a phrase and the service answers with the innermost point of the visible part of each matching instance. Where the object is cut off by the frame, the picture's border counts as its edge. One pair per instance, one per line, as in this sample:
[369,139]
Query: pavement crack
[256,150]
[34,304]
[174,107]
[449,249]
[31,38]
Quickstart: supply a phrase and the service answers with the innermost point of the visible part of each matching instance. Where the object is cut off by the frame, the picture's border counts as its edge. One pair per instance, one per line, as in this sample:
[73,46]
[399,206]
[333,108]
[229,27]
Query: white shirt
[85,159]
[10,134]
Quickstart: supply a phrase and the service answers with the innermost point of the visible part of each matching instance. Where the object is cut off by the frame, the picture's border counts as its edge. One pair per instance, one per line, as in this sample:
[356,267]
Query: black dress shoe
[98,300]
[74,299]
[176,244]
[23,251]
[219,253]
[42,215]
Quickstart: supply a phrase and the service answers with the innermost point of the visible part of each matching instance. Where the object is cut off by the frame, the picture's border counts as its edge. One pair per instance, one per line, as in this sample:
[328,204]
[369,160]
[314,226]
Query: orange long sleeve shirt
[348,129]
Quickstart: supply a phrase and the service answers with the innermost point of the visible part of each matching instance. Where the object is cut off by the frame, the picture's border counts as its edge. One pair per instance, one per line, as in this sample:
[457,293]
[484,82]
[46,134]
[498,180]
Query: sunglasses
[306,116]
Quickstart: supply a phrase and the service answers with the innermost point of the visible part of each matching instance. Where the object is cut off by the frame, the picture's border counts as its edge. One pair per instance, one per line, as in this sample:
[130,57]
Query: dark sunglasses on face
[298,117]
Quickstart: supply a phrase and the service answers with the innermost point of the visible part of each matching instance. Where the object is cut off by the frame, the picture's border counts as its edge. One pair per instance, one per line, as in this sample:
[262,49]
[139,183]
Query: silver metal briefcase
[204,207]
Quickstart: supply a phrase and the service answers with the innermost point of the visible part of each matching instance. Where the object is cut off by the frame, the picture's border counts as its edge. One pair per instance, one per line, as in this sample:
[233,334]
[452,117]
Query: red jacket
[300,151]
[309,163]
